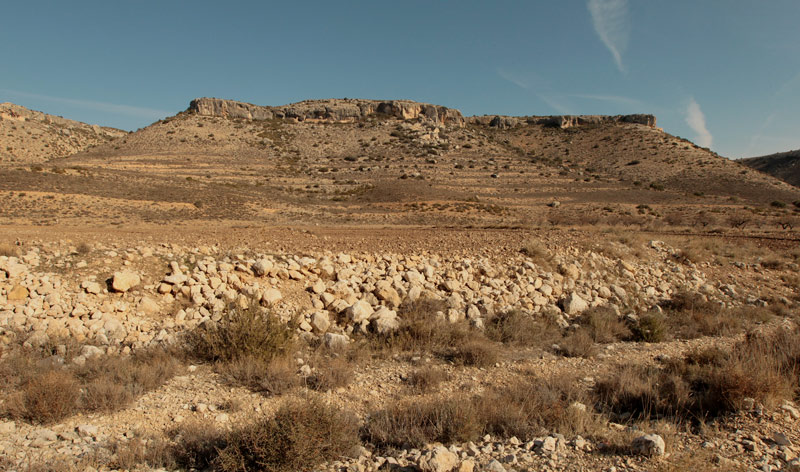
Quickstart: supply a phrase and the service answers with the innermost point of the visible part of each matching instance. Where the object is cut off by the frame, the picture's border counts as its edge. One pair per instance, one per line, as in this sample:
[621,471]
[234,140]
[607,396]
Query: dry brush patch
[524,408]
[709,383]
[301,435]
[425,379]
[41,389]
[243,331]
[422,330]
[414,423]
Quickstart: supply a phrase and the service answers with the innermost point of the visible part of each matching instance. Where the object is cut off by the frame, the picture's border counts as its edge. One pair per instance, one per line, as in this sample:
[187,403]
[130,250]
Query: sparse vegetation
[301,435]
[418,422]
[243,331]
[41,390]
[763,367]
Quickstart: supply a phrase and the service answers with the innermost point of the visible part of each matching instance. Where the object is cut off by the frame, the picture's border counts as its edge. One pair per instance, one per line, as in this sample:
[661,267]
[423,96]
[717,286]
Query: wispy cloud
[610,19]
[608,98]
[506,75]
[538,87]
[127,110]
[697,121]
[788,85]
[555,104]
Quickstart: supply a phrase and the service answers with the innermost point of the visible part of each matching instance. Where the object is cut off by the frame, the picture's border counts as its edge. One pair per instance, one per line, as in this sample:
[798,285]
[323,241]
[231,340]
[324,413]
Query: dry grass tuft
[537,251]
[273,377]
[330,373]
[426,379]
[8,250]
[41,390]
[301,435]
[422,331]
[578,343]
[651,328]
[414,423]
[765,367]
[476,351]
[532,407]
[153,452]
[47,398]
[690,315]
[518,329]
[604,326]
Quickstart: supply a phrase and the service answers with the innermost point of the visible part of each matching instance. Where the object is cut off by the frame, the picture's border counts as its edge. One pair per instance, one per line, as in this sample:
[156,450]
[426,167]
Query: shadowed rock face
[337,110]
[561,121]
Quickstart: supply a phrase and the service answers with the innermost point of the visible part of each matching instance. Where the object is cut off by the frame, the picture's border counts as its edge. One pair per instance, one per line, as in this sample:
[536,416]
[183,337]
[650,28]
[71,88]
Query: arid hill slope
[783,165]
[28,136]
[392,162]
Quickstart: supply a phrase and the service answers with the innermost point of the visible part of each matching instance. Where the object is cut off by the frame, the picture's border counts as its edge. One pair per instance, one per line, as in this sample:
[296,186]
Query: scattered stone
[87,430]
[149,306]
[495,466]
[7,427]
[17,294]
[386,293]
[359,311]
[780,439]
[271,296]
[574,304]
[92,287]
[649,445]
[441,460]
[320,321]
[335,341]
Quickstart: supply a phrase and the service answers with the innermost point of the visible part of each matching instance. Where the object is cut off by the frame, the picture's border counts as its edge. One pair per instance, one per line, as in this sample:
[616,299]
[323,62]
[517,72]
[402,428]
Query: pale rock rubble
[147,300]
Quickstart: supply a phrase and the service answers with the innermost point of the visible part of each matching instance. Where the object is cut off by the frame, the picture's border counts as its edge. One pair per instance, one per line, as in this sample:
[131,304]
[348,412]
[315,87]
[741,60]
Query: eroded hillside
[372,162]
[32,137]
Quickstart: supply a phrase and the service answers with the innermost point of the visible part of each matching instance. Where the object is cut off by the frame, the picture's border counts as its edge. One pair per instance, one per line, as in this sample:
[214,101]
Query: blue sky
[723,73]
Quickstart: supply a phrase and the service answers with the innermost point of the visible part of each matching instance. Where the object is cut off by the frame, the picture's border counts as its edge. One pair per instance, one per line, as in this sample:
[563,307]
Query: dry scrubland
[218,293]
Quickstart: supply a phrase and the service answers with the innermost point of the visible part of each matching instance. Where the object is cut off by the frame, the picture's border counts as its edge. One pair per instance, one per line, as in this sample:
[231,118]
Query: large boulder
[359,311]
[384,320]
[387,294]
[125,280]
[271,296]
[439,460]
[574,304]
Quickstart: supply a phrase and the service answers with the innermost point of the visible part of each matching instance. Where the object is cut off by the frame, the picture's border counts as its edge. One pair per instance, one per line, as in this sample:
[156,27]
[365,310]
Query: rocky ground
[363,285]
[114,299]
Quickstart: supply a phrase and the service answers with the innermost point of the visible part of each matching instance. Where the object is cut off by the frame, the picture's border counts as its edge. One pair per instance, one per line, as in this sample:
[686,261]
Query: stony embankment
[118,299]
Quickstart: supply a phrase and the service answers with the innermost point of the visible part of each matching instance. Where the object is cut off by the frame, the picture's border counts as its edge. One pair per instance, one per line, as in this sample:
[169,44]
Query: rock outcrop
[560,121]
[333,110]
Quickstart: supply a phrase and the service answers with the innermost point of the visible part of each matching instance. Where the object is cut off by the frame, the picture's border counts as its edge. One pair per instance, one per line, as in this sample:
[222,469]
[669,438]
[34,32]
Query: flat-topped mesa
[332,110]
[561,121]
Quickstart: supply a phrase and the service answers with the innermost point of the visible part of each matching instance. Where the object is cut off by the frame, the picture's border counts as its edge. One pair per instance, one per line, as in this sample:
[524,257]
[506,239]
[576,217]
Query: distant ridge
[29,136]
[783,165]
